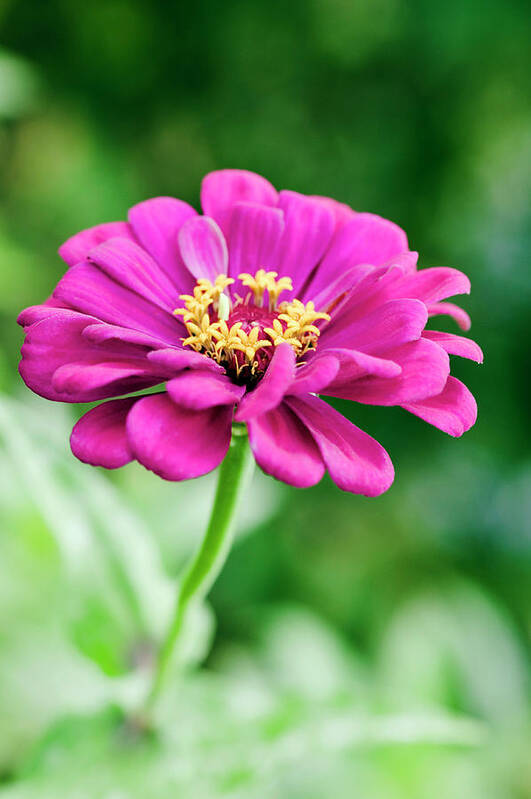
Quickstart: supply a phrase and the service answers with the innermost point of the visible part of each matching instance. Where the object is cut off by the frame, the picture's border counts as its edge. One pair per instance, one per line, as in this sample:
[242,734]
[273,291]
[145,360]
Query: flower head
[246,313]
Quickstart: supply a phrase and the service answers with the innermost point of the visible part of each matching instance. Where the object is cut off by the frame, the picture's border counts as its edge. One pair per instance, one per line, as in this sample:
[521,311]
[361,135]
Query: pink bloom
[246,314]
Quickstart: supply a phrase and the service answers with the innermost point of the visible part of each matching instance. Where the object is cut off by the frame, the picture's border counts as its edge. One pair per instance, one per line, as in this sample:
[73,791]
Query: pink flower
[246,314]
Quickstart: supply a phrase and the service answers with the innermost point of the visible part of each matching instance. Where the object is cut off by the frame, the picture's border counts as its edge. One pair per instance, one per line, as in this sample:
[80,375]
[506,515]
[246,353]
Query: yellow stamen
[294,325]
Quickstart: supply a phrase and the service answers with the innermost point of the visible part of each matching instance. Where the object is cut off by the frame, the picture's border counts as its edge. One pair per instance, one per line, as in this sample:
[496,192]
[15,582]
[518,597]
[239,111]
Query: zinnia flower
[246,314]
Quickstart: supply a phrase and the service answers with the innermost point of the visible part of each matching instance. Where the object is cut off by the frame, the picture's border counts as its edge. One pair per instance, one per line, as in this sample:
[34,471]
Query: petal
[87,289]
[221,190]
[49,344]
[333,295]
[156,223]
[272,387]
[407,261]
[85,382]
[454,410]
[99,438]
[203,248]
[309,227]
[131,266]
[342,213]
[36,313]
[100,333]
[176,358]
[57,342]
[284,448]
[354,364]
[449,309]
[313,377]
[178,443]
[76,247]
[425,369]
[456,345]
[355,461]
[255,233]
[432,285]
[365,239]
[198,389]
[391,324]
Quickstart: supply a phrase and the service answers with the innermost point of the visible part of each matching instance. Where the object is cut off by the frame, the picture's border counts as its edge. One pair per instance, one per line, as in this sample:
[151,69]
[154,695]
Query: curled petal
[178,443]
[454,410]
[175,359]
[355,461]
[100,439]
[83,382]
[198,389]
[449,309]
[434,284]
[394,323]
[283,447]
[315,376]
[456,345]
[354,365]
[425,369]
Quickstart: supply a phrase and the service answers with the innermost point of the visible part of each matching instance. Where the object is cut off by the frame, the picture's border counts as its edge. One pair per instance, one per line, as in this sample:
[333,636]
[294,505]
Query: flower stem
[212,553]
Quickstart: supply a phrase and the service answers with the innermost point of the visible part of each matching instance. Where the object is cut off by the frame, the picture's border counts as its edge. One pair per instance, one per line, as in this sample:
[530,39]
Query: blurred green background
[351,647]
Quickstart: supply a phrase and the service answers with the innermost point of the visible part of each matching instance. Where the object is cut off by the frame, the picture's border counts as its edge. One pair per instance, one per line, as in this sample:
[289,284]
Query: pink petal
[284,448]
[434,284]
[365,239]
[76,247]
[449,309]
[36,313]
[313,377]
[391,324]
[456,345]
[255,232]
[49,344]
[203,248]
[87,289]
[309,227]
[354,364]
[425,369]
[221,190]
[272,387]
[57,343]
[99,438]
[176,358]
[156,223]
[131,266]
[332,297]
[198,389]
[85,382]
[407,261]
[454,410]
[355,461]
[100,333]
[178,443]
[342,213]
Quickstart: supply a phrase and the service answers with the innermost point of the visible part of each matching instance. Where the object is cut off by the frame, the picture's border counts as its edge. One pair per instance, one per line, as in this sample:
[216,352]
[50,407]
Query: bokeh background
[351,647]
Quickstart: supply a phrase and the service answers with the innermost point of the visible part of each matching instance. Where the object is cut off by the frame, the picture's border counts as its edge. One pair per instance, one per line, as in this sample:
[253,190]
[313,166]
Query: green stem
[212,553]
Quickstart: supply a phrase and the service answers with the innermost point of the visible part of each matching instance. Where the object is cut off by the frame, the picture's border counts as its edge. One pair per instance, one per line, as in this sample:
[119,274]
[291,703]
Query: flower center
[241,333]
